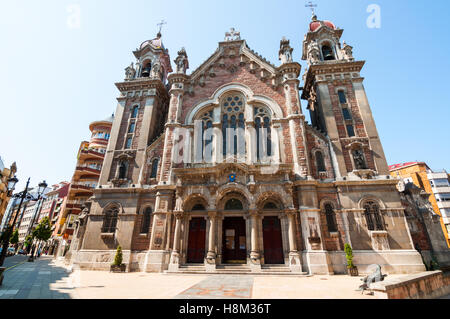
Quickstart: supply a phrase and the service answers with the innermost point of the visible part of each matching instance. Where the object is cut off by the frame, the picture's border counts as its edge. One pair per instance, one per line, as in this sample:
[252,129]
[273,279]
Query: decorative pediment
[357,144]
[126,155]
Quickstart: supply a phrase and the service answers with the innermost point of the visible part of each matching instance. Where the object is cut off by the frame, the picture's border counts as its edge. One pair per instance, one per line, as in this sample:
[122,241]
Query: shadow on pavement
[41,279]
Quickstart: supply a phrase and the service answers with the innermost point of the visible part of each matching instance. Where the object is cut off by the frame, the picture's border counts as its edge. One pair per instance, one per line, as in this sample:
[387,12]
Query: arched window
[263,133]
[207,136]
[146,70]
[320,163]
[234,204]
[327,53]
[146,221]
[123,168]
[134,114]
[110,220]
[233,126]
[373,217]
[154,170]
[331,218]
[342,97]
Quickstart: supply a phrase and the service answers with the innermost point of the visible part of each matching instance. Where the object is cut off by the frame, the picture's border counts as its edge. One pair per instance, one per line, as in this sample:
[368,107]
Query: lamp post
[10,228]
[41,189]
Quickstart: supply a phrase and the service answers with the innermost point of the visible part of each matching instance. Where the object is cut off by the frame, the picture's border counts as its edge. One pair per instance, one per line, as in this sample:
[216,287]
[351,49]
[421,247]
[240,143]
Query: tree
[43,231]
[28,241]
[14,237]
[118,258]
[349,256]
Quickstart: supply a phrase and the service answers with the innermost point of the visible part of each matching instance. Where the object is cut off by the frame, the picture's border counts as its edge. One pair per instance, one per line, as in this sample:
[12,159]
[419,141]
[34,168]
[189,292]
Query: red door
[196,240]
[273,245]
[234,246]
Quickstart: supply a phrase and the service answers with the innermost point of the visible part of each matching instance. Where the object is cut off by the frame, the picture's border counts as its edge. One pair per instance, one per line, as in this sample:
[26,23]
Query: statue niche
[358,159]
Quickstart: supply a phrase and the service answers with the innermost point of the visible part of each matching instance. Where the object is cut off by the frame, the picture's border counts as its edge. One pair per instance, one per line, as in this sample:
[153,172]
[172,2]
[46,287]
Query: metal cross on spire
[161,25]
[311,5]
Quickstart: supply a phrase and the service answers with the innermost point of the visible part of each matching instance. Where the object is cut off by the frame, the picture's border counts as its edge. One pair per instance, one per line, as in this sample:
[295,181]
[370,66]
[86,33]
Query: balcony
[441,189]
[443,204]
[89,169]
[77,188]
[437,175]
[85,154]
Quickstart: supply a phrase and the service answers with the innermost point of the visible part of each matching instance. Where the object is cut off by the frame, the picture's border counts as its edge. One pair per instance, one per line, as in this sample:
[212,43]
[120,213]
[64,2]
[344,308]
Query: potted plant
[352,270]
[118,266]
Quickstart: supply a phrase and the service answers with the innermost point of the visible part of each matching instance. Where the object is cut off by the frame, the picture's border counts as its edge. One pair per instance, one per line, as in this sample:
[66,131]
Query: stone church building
[217,170]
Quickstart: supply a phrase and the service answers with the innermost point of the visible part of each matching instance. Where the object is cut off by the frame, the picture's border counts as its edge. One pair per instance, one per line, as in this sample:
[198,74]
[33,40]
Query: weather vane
[161,25]
[311,5]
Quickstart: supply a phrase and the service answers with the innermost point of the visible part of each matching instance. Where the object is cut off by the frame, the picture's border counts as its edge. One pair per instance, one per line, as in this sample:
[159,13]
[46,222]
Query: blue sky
[56,77]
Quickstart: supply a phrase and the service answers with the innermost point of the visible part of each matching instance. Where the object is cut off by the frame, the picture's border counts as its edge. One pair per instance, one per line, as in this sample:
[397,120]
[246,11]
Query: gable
[233,64]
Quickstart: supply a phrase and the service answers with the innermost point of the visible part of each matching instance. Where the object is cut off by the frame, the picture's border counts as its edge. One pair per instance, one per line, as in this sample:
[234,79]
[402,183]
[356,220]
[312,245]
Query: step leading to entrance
[240,269]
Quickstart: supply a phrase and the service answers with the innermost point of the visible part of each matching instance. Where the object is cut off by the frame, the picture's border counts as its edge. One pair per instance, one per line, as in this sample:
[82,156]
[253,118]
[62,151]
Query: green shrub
[349,256]
[118,258]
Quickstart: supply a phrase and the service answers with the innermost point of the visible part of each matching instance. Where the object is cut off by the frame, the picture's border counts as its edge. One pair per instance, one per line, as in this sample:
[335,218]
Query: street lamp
[9,228]
[12,184]
[22,195]
[41,189]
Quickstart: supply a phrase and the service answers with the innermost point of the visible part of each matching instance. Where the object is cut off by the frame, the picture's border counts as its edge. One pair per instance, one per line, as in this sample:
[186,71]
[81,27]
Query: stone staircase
[238,269]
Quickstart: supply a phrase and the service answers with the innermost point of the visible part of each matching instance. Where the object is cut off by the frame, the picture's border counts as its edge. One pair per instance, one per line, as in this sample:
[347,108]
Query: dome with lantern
[316,24]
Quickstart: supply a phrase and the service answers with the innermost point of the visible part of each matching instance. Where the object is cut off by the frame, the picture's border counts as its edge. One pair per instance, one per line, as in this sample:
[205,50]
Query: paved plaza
[47,278]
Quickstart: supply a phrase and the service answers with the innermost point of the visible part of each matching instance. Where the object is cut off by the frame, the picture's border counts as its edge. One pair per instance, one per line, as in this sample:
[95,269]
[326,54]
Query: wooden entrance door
[234,241]
[196,240]
[273,245]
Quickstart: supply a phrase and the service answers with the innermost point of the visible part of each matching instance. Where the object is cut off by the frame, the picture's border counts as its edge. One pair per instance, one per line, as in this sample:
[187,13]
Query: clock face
[232,178]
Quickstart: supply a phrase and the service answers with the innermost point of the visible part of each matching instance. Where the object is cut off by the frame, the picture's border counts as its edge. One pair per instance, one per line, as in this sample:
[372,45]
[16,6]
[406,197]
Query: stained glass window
[233,126]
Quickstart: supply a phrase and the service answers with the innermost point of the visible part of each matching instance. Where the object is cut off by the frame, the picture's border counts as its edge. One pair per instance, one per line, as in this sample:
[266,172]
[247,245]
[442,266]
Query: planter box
[353,272]
[120,268]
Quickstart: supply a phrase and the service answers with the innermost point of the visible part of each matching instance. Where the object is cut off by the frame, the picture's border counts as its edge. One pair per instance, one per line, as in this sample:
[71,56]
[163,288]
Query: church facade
[218,169]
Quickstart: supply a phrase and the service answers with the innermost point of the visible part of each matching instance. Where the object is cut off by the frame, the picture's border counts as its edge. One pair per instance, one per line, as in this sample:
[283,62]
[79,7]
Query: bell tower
[140,115]
[338,104]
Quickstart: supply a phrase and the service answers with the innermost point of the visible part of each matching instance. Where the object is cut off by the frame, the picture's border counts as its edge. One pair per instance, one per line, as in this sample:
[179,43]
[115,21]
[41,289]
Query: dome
[156,42]
[313,26]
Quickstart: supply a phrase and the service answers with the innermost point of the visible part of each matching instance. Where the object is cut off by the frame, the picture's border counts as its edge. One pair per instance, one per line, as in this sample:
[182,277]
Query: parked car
[22,252]
[9,251]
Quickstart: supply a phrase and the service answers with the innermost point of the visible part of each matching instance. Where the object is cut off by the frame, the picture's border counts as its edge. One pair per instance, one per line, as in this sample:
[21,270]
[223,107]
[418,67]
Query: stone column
[255,257]
[210,262]
[175,257]
[294,257]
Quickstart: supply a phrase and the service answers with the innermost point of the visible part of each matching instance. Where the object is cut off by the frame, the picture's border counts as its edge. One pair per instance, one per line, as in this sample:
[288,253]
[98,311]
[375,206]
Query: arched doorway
[234,248]
[272,240]
[196,240]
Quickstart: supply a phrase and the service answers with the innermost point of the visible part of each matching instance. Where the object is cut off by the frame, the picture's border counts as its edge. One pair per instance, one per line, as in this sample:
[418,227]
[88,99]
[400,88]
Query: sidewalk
[33,280]
[47,278]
